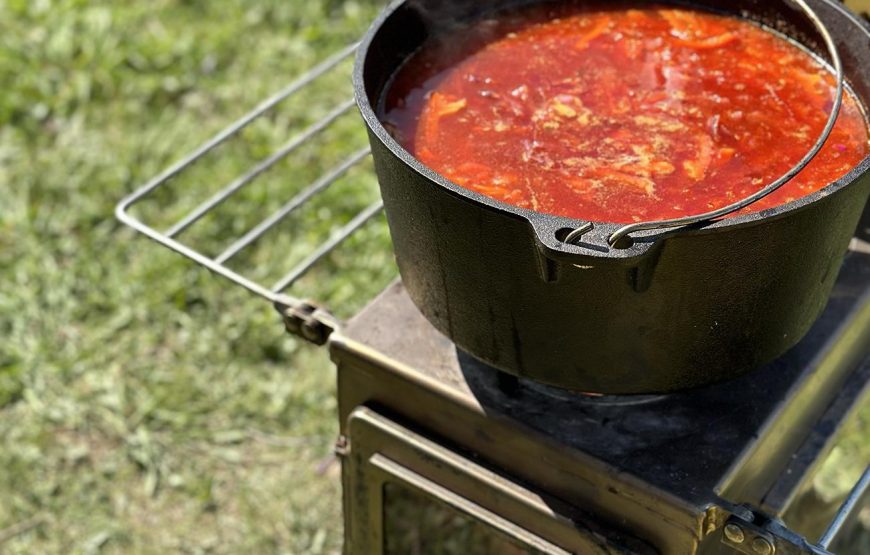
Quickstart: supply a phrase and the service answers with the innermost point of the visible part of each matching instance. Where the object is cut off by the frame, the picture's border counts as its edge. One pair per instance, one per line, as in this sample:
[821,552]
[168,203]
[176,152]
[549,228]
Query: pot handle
[621,234]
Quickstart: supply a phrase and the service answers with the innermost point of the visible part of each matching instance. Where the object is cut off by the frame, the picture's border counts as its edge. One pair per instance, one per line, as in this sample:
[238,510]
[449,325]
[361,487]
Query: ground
[147,406]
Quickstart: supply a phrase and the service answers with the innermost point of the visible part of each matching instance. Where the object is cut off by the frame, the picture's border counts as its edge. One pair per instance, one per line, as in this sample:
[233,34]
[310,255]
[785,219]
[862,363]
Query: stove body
[442,454]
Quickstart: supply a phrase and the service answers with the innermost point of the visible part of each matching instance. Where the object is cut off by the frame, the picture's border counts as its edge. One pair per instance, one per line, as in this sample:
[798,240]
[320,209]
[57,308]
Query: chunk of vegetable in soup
[621,115]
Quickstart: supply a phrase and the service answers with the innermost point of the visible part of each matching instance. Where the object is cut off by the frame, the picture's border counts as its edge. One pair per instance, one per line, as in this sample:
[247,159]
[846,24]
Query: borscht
[621,115]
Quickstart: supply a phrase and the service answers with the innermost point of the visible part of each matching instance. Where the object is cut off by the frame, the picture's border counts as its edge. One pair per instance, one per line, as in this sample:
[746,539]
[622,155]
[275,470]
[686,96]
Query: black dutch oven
[662,311]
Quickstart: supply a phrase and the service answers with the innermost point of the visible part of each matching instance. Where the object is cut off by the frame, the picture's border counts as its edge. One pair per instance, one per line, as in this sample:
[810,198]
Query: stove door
[406,494]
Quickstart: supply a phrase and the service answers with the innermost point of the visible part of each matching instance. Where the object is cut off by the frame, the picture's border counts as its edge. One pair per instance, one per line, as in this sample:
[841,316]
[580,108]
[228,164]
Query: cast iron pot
[673,310]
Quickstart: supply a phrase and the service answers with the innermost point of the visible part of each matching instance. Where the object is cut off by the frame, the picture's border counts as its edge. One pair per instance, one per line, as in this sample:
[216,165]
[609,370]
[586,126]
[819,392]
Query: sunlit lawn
[145,405]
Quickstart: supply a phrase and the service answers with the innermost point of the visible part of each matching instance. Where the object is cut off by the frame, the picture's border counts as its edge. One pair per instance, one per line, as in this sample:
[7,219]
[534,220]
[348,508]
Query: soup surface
[621,115]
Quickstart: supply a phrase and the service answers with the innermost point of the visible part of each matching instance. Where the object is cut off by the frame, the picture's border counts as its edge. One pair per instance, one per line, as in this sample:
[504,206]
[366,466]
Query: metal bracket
[763,535]
[754,533]
[746,538]
[754,538]
[306,319]
[342,446]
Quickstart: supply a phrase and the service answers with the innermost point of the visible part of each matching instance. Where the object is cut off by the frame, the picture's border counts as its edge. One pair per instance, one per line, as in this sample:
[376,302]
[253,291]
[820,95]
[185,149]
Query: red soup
[621,115]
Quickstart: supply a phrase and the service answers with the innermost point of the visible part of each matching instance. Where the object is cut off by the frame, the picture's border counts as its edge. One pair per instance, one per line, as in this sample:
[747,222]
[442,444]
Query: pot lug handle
[573,242]
[563,244]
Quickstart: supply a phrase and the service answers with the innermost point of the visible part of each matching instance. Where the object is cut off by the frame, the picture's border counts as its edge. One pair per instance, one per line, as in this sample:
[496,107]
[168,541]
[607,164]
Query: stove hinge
[306,319]
[754,533]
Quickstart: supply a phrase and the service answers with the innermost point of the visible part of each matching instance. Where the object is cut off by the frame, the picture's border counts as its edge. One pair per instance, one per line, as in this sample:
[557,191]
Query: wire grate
[170,237]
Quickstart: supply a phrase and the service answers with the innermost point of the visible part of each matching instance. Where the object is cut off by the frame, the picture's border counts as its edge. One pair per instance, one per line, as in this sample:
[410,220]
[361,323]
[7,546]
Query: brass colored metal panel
[382,452]
[569,477]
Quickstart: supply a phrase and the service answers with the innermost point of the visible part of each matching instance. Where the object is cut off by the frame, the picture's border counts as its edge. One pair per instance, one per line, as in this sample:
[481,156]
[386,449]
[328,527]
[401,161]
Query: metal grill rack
[302,317]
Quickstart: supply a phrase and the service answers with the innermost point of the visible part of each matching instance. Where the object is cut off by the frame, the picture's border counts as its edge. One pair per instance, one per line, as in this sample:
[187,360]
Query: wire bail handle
[624,231]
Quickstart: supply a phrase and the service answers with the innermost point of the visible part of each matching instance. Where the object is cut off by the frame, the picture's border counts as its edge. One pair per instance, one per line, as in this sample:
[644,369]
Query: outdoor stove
[443,454]
[562,472]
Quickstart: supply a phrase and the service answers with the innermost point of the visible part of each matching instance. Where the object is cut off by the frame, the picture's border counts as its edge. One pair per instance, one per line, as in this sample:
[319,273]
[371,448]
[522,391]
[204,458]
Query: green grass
[145,405]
